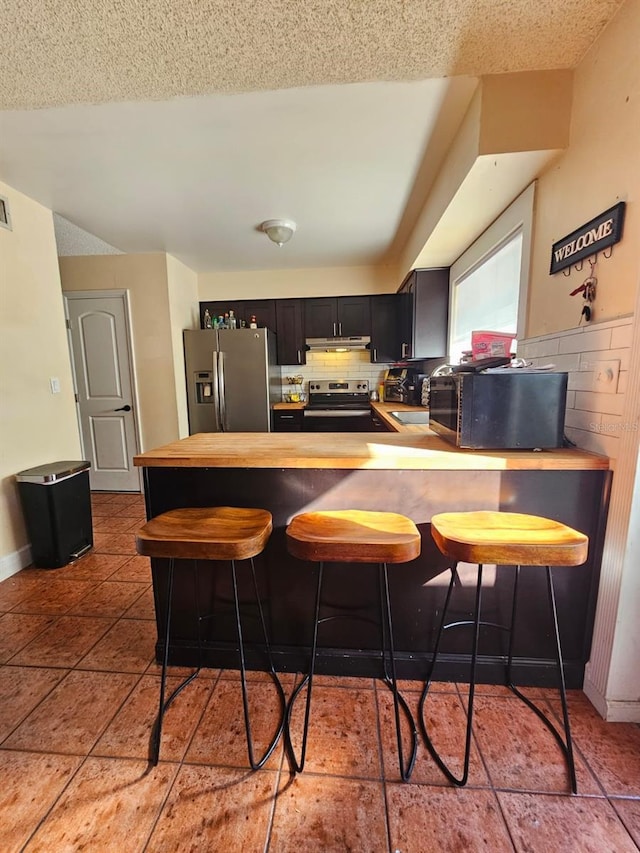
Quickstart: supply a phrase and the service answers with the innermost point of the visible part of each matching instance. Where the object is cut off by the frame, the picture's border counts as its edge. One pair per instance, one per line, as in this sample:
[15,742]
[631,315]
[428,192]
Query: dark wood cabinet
[264,311]
[337,316]
[290,331]
[287,420]
[377,424]
[385,327]
[424,311]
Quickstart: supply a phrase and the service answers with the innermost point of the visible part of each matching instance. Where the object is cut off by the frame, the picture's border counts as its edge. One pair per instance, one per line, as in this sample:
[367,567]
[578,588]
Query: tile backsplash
[334,365]
[594,419]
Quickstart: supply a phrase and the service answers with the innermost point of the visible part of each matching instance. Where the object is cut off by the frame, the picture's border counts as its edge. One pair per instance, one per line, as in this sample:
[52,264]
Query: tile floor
[78,690]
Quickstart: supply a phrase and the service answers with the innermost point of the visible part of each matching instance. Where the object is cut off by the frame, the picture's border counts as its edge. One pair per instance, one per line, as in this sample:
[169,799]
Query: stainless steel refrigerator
[232,379]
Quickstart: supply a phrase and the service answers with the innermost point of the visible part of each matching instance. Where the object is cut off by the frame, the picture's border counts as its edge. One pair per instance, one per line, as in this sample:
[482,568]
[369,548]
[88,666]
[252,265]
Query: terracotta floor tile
[92,567]
[343,681]
[127,647]
[74,714]
[122,499]
[573,824]
[446,820]
[101,498]
[134,569]
[55,596]
[220,737]
[287,679]
[30,785]
[15,589]
[64,643]
[21,690]
[128,734]
[329,814]
[110,598]
[143,607]
[216,809]
[446,724]
[343,732]
[112,524]
[520,752]
[115,543]
[612,750]
[18,629]
[134,512]
[629,813]
[110,805]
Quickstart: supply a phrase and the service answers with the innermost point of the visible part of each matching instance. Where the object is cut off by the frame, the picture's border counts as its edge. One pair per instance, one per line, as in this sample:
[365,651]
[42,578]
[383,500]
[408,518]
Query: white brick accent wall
[593,420]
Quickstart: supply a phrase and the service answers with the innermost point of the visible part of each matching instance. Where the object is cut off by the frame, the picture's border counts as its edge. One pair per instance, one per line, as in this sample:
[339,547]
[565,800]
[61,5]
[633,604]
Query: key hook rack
[606,253]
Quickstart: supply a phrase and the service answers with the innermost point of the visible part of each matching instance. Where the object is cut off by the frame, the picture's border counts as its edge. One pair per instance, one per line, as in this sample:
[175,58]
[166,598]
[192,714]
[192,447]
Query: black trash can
[56,502]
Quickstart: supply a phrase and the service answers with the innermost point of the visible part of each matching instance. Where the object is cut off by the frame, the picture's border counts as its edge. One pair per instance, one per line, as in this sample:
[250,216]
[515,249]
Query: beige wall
[182,285]
[600,168]
[280,284]
[36,426]
[145,277]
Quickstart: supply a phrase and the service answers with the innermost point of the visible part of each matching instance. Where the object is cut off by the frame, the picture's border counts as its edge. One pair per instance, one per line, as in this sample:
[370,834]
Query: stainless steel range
[338,405]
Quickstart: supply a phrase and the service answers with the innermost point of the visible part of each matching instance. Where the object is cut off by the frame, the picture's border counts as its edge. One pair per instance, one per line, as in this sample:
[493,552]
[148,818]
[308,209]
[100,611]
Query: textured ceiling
[179,125]
[55,52]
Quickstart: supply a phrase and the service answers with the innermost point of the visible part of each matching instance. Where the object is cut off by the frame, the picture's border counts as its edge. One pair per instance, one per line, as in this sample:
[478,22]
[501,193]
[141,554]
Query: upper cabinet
[385,327]
[424,313]
[337,316]
[290,331]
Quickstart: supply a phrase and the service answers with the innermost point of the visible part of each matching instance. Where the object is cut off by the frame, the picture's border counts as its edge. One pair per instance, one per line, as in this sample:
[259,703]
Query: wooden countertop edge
[395,451]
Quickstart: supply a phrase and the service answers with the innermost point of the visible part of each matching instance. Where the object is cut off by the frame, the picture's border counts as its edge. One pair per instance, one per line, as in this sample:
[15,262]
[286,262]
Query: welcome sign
[600,233]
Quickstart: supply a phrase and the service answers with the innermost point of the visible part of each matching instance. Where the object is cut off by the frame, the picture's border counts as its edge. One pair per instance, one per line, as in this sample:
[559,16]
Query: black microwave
[510,410]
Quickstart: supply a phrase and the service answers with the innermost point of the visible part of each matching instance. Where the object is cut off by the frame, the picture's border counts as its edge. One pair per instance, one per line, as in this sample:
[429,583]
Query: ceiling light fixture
[279,230]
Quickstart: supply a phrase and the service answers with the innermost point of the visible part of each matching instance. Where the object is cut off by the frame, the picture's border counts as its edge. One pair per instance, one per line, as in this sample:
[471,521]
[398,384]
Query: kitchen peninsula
[415,474]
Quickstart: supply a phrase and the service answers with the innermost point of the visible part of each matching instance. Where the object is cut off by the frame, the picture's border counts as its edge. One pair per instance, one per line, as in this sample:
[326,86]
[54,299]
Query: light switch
[54,382]
[605,376]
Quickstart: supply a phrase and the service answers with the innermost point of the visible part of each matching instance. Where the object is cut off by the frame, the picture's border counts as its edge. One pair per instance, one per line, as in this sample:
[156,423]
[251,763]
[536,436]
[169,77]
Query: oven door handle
[337,413]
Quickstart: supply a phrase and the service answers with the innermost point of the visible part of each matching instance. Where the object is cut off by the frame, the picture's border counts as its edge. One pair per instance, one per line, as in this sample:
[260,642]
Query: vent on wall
[5,218]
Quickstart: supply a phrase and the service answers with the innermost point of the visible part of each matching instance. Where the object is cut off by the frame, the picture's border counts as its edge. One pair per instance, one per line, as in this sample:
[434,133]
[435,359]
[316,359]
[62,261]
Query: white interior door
[101,356]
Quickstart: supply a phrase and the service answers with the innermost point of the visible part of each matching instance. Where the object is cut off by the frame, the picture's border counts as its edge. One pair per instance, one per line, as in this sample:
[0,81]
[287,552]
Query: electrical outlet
[605,377]
[54,382]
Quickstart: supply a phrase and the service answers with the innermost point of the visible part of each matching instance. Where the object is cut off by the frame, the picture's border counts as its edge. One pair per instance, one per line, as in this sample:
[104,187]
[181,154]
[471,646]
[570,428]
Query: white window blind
[487,297]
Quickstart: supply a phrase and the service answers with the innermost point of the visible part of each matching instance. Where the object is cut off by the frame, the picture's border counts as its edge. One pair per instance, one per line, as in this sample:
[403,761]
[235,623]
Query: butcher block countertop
[403,451]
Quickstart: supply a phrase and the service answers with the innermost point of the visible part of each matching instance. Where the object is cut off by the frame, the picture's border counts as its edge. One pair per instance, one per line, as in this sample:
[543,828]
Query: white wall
[37,426]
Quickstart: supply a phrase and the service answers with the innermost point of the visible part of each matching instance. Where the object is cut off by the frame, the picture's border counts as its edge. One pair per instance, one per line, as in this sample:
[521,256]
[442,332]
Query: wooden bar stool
[210,533]
[504,539]
[355,536]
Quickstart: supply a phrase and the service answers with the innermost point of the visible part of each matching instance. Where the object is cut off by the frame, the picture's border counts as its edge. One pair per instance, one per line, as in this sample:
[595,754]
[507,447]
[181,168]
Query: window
[487,296]
[489,280]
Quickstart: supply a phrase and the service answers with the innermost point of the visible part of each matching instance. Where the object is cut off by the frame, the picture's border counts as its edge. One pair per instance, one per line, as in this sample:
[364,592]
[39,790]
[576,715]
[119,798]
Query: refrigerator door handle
[216,393]
[223,400]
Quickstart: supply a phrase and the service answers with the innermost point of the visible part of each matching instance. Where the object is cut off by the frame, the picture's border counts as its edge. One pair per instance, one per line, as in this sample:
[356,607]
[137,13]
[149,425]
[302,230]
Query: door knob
[123,409]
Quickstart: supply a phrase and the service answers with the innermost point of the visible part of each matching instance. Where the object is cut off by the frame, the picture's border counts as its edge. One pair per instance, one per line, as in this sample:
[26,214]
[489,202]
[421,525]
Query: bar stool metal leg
[475,622]
[298,766]
[566,744]
[386,628]
[163,705]
[256,764]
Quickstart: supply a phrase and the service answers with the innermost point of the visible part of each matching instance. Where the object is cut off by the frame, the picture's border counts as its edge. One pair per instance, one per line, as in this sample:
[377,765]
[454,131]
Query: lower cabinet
[377,424]
[287,420]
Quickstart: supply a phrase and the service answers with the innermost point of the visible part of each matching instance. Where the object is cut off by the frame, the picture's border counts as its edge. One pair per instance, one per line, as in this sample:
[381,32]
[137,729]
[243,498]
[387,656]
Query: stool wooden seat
[504,539]
[355,536]
[507,538]
[206,533]
[210,534]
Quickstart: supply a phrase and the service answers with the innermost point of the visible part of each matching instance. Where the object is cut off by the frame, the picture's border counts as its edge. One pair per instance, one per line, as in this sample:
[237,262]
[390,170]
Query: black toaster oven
[506,410]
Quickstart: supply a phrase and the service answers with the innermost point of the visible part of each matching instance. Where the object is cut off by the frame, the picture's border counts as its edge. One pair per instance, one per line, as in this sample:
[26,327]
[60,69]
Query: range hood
[340,344]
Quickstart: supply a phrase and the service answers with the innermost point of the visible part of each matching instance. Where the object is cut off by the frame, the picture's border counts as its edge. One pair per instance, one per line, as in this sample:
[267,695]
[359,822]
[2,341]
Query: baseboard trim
[611,710]
[12,563]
